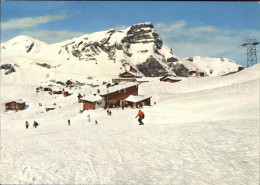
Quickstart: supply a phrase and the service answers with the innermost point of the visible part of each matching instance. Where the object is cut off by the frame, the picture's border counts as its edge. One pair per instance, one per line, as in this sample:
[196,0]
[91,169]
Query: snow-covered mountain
[139,49]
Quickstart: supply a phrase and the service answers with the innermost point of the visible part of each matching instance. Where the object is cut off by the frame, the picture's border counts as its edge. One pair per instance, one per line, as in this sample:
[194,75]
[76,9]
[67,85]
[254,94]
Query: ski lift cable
[227,52]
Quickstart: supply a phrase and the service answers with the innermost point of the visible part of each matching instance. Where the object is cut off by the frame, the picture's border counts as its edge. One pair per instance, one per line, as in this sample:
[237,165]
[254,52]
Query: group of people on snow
[109,112]
[35,124]
[140,115]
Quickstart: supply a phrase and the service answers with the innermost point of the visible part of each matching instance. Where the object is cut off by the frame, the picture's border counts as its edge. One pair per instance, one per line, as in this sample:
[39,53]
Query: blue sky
[189,28]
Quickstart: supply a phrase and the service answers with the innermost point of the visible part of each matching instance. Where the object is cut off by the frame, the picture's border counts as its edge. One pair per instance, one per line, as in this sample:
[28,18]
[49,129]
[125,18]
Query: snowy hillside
[139,49]
[201,131]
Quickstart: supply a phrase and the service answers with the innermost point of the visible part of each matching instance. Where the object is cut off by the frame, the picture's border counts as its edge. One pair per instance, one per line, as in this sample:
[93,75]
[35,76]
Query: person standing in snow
[69,122]
[141,116]
[110,113]
[107,112]
[96,122]
[26,125]
[35,124]
[88,117]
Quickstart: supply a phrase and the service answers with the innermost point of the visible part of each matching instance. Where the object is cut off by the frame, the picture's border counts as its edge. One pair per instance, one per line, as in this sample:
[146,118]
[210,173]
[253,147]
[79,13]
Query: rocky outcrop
[179,69]
[152,68]
[8,68]
[29,48]
[43,65]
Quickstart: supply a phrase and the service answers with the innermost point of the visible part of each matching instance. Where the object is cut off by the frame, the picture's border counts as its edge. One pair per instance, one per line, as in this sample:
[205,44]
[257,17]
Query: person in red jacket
[141,116]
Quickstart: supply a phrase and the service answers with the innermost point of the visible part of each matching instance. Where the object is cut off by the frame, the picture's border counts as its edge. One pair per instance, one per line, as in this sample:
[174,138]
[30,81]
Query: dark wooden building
[138,101]
[92,102]
[15,105]
[114,96]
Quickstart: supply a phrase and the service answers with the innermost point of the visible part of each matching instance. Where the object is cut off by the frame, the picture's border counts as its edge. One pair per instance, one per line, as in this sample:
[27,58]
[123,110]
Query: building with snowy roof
[92,102]
[136,101]
[126,76]
[17,104]
[115,95]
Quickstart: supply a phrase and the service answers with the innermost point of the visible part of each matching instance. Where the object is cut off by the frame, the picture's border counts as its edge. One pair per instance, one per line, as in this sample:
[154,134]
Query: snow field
[204,135]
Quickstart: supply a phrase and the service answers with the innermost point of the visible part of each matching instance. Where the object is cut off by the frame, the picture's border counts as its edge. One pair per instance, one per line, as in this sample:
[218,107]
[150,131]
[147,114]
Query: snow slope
[201,131]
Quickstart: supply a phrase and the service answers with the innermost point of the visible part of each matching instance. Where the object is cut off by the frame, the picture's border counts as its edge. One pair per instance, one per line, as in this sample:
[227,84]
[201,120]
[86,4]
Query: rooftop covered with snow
[92,98]
[118,87]
[137,98]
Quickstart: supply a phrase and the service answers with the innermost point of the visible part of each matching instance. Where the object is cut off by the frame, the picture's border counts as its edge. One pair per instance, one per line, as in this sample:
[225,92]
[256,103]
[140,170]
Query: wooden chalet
[114,96]
[137,101]
[69,83]
[126,77]
[15,105]
[92,102]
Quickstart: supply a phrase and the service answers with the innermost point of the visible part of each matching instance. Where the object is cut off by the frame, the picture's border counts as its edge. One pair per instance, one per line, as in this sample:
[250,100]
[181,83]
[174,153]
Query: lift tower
[251,52]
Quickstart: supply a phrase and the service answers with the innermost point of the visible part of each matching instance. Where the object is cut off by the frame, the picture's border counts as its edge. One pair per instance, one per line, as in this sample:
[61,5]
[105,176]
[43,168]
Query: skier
[26,124]
[69,122]
[110,113]
[141,116]
[35,124]
[107,112]
[96,122]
